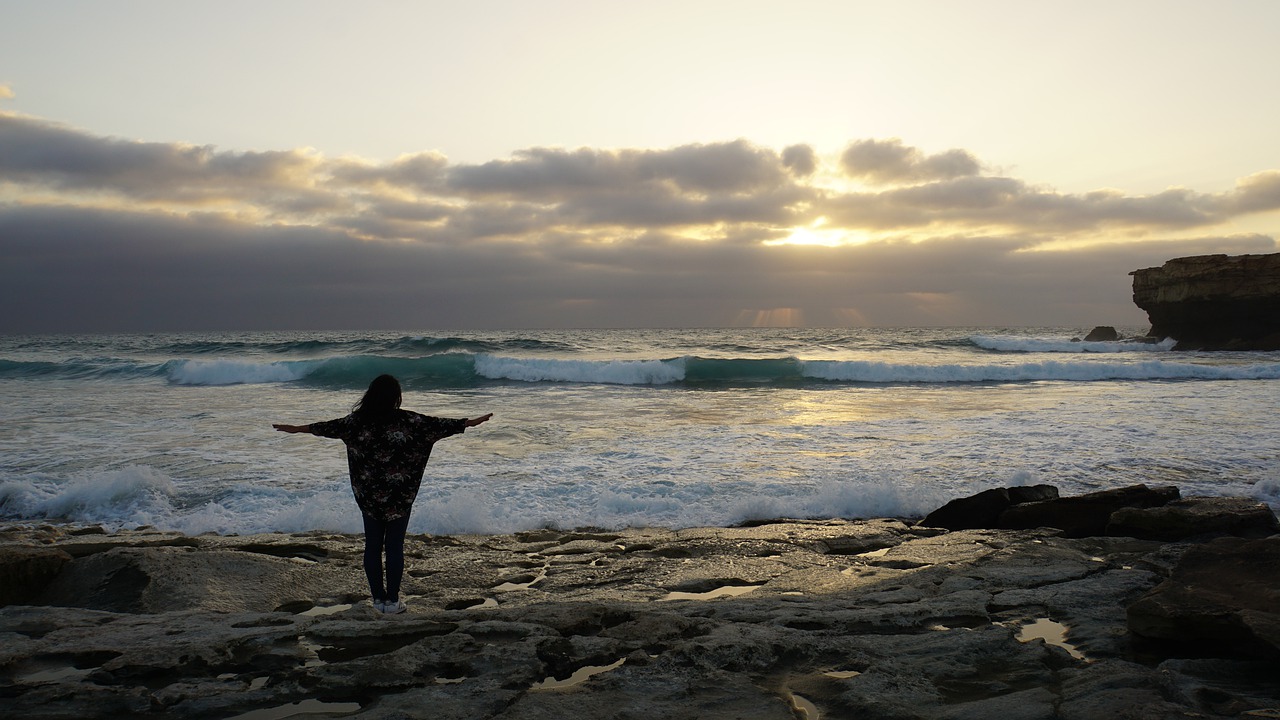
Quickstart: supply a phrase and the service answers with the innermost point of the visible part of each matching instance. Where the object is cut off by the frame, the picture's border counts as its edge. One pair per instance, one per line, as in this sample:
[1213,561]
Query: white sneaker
[394,607]
[378,605]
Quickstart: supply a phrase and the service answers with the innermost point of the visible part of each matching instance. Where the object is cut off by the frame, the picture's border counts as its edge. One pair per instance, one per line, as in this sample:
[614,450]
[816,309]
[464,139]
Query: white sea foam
[686,504]
[131,496]
[1013,343]
[1268,491]
[142,496]
[453,505]
[329,507]
[614,372]
[884,372]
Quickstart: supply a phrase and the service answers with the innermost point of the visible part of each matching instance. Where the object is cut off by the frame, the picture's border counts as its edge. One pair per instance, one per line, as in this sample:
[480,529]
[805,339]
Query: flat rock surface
[793,619]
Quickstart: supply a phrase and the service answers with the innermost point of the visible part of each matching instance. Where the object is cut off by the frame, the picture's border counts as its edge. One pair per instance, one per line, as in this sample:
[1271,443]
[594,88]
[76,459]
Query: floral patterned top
[387,456]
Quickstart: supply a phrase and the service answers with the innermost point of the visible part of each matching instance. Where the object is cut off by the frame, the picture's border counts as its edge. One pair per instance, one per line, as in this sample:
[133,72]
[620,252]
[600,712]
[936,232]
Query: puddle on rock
[842,674]
[720,592]
[1053,633]
[321,648]
[472,604]
[313,650]
[55,674]
[802,708]
[254,683]
[319,610]
[524,584]
[578,677]
[300,709]
[58,667]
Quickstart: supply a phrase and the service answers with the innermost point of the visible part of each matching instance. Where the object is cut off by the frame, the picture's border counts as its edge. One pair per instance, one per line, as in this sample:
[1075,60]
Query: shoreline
[793,618]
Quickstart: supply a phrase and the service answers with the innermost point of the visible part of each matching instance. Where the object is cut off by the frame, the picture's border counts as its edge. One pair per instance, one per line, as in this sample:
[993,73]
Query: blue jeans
[389,535]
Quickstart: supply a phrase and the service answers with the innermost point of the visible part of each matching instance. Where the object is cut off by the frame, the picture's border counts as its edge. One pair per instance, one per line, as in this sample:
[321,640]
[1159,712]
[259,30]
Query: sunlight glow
[817,234]
[776,317]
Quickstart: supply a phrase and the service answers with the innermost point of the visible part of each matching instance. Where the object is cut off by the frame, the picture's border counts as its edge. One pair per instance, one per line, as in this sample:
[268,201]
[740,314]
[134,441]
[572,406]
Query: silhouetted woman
[387,453]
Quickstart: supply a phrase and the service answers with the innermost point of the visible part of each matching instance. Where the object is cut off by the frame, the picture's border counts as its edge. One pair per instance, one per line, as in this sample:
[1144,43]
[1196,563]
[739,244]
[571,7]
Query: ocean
[616,428]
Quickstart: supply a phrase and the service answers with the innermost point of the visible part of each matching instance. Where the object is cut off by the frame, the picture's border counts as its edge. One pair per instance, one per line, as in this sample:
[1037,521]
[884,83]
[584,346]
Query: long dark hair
[382,397]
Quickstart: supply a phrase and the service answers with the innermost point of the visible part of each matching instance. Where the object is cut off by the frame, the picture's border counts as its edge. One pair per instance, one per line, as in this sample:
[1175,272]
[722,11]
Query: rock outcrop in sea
[781,620]
[1213,302]
[1102,333]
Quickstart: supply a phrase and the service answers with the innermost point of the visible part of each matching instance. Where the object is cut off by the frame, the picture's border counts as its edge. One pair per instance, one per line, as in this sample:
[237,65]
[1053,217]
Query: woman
[387,452]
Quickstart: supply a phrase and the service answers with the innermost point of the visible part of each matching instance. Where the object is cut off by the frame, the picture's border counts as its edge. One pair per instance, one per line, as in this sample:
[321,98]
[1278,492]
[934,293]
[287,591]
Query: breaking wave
[463,370]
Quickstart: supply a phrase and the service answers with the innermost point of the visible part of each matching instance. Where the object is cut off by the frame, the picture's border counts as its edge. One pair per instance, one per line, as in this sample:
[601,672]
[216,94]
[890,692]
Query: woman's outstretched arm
[292,428]
[472,422]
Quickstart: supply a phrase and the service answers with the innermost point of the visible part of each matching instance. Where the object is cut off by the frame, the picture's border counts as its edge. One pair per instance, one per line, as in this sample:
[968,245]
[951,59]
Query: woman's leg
[374,539]
[395,530]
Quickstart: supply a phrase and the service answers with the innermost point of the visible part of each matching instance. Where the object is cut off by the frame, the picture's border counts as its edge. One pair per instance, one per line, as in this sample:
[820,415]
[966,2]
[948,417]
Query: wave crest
[611,372]
[1016,344]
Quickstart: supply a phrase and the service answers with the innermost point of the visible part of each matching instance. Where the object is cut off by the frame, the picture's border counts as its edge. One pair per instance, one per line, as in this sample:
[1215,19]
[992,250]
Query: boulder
[1222,600]
[983,510]
[1102,333]
[970,513]
[1213,302]
[1084,515]
[1031,493]
[1194,516]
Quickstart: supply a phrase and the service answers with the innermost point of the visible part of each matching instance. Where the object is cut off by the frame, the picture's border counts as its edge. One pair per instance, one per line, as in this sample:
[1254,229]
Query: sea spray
[129,497]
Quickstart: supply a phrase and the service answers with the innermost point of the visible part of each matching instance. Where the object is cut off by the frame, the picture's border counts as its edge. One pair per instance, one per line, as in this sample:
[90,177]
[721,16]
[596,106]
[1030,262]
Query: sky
[311,165]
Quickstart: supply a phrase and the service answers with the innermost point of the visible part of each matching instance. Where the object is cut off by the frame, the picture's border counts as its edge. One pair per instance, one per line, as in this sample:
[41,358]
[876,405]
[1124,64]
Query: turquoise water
[610,428]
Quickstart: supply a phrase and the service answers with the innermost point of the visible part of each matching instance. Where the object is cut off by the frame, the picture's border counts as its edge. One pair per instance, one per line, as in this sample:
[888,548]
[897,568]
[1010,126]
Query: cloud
[994,202]
[6,92]
[100,233]
[800,159]
[889,161]
[422,172]
[702,187]
[38,153]
[731,182]
[553,173]
[1259,192]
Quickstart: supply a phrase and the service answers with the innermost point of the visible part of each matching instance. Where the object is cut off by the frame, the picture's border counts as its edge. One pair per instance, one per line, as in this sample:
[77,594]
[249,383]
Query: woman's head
[382,397]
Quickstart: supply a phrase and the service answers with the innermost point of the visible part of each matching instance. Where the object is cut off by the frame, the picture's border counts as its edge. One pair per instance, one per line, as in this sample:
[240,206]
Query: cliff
[1213,302]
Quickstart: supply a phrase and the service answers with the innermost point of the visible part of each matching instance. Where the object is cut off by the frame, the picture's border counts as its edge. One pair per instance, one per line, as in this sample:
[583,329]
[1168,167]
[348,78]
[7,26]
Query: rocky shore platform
[786,619]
